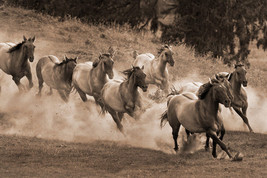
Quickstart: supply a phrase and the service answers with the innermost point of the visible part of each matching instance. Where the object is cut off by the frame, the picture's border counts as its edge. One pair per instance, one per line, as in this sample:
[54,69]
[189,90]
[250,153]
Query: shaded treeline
[223,27]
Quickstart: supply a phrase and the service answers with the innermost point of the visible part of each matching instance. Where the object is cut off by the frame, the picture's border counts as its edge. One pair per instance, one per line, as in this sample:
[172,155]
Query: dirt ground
[33,157]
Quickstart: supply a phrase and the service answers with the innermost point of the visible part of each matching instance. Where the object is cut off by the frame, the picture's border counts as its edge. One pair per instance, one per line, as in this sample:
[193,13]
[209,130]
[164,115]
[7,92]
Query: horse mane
[96,62]
[16,47]
[128,72]
[64,62]
[203,90]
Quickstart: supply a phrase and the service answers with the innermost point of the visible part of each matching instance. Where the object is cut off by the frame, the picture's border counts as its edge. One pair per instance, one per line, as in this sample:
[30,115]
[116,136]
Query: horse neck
[210,105]
[236,85]
[20,58]
[99,73]
[62,70]
[161,64]
[131,87]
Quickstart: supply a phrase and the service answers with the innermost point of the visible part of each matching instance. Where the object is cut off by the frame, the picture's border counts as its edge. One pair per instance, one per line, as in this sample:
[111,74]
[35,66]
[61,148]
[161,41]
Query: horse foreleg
[215,139]
[207,145]
[243,116]
[81,93]
[29,77]
[17,82]
[62,94]
[50,92]
[115,118]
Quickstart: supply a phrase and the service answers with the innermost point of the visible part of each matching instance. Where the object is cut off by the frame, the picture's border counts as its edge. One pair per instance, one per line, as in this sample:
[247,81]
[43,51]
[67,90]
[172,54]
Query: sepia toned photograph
[133,88]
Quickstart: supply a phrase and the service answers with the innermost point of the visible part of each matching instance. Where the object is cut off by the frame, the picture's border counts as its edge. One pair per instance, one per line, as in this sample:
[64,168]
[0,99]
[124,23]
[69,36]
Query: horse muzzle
[245,83]
[110,75]
[144,88]
[31,59]
[171,63]
[227,103]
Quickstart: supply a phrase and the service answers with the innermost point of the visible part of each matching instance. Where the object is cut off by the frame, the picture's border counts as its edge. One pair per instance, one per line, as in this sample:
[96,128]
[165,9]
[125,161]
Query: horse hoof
[207,148]
[238,157]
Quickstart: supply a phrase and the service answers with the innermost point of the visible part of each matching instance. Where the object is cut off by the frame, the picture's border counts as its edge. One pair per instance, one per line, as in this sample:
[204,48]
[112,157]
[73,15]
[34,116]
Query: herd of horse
[195,106]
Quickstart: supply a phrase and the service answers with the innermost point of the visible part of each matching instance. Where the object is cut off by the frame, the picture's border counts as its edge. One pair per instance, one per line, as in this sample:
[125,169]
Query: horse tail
[164,118]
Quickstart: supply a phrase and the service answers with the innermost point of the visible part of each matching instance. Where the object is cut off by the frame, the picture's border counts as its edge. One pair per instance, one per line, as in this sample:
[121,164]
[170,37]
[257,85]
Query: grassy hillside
[74,38]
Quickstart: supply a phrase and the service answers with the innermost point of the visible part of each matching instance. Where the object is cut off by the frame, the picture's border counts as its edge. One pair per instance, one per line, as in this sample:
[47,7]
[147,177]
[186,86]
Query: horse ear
[65,57]
[100,54]
[111,51]
[143,67]
[24,38]
[75,59]
[33,39]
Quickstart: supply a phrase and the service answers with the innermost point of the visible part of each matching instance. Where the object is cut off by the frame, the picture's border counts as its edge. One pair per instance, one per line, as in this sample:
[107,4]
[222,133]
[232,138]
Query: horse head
[70,64]
[166,54]
[221,91]
[240,74]
[138,75]
[106,62]
[28,48]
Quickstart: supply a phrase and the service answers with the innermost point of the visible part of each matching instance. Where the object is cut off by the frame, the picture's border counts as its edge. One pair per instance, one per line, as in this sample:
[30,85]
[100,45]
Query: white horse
[155,68]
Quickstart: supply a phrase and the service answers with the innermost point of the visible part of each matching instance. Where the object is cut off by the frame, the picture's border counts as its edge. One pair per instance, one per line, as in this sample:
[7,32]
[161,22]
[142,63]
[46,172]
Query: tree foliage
[210,26]
[214,25]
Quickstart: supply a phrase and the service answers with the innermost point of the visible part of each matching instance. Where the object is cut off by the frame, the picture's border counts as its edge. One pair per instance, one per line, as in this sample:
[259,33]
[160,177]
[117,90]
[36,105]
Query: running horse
[200,115]
[14,60]
[155,68]
[57,75]
[237,79]
[119,97]
[90,77]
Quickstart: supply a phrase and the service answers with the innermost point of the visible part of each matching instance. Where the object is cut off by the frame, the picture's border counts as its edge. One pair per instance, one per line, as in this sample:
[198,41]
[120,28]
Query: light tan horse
[89,78]
[119,97]
[57,75]
[155,68]
[237,79]
[14,60]
[200,115]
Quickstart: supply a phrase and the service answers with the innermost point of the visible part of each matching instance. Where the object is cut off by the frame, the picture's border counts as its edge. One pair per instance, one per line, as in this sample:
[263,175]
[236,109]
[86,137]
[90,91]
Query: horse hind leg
[175,131]
[40,81]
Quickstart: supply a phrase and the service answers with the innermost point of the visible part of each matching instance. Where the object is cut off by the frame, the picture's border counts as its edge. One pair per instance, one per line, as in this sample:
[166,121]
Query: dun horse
[237,79]
[200,115]
[121,97]
[155,68]
[14,60]
[89,78]
[56,75]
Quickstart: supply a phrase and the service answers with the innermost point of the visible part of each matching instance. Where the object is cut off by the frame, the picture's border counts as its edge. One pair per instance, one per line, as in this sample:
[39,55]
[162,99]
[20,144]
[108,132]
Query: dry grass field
[49,138]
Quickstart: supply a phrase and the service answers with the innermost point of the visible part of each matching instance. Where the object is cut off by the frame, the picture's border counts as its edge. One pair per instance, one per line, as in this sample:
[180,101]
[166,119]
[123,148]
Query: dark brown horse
[14,60]
[57,75]
[119,97]
[200,115]
[237,79]
[90,77]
